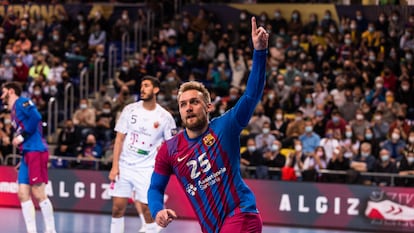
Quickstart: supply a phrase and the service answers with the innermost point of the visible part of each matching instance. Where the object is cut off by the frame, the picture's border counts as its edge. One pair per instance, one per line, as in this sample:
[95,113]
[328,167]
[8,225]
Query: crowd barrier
[304,204]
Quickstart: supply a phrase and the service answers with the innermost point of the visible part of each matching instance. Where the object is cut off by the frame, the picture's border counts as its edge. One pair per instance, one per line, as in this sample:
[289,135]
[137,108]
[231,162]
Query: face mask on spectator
[266,130]
[279,116]
[308,129]
[106,110]
[385,157]
[275,147]
[363,154]
[410,159]
[395,136]
[83,106]
[298,148]
[368,136]
[348,134]
[405,87]
[411,139]
[251,148]
[359,117]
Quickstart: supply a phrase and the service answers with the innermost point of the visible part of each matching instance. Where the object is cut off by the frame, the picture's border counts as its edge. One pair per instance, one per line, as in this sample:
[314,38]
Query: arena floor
[11,221]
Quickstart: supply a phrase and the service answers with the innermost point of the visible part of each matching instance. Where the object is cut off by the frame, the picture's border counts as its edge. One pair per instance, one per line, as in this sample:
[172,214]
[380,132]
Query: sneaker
[389,210]
[143,228]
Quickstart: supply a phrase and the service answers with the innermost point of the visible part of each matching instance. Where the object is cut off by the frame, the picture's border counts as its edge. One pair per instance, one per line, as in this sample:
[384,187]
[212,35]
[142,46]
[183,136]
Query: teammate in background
[33,174]
[205,157]
[141,128]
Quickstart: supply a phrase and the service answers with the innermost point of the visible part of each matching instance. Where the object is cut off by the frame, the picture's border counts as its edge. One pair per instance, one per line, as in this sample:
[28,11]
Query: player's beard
[196,125]
[147,97]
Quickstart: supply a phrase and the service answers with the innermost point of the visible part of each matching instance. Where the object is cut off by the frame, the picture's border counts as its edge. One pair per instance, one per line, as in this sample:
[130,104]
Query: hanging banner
[340,206]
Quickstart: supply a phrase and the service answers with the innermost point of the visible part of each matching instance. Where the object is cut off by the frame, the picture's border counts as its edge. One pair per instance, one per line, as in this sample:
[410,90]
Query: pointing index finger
[254,26]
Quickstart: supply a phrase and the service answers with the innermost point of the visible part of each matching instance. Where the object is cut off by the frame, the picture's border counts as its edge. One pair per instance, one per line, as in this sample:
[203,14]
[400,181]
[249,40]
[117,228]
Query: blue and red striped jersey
[27,121]
[208,167]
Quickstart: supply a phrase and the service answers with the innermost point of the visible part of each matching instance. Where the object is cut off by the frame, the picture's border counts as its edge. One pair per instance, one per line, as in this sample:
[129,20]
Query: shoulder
[132,106]
[23,102]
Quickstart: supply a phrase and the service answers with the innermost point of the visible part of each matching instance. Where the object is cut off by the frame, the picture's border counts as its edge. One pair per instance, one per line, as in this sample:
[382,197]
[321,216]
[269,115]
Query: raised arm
[257,78]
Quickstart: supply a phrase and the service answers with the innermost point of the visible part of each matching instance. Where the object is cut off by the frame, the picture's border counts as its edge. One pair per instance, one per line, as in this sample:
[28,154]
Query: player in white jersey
[141,128]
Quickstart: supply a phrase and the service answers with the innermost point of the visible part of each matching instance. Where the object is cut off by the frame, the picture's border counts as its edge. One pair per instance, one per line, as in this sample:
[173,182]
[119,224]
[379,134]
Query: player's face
[147,91]
[5,95]
[193,110]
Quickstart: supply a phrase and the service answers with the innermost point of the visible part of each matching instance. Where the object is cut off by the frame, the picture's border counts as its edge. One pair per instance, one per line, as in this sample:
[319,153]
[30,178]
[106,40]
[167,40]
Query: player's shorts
[33,168]
[243,223]
[131,180]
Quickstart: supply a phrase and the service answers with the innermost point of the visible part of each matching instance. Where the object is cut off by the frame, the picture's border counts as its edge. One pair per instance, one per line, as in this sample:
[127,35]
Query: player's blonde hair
[194,85]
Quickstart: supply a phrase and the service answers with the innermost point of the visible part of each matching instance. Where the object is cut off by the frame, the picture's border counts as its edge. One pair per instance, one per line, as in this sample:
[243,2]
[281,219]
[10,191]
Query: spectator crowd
[339,94]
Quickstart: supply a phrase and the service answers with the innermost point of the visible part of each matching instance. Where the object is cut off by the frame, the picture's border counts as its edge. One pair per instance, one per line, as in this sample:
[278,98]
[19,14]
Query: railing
[112,59]
[125,46]
[137,36]
[68,101]
[392,176]
[13,157]
[84,84]
[16,157]
[52,117]
[98,74]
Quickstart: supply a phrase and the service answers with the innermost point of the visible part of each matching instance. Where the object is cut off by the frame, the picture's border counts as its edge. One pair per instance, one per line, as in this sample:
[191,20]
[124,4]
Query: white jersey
[144,132]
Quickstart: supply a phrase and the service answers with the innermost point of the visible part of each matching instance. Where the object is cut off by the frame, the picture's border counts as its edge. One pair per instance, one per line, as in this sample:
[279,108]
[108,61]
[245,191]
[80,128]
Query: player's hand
[17,140]
[260,36]
[113,174]
[164,217]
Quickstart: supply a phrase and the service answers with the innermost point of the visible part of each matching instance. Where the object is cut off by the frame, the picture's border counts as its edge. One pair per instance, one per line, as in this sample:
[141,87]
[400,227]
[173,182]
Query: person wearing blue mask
[384,165]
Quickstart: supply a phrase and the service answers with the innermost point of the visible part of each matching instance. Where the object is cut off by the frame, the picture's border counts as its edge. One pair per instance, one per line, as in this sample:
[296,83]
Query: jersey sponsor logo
[191,189]
[34,179]
[209,140]
[27,103]
[179,159]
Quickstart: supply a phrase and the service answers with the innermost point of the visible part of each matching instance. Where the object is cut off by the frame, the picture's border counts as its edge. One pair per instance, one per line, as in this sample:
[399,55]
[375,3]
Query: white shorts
[132,181]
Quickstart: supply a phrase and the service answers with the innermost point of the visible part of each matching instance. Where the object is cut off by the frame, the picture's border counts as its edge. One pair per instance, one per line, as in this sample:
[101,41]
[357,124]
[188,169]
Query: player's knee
[118,211]
[23,196]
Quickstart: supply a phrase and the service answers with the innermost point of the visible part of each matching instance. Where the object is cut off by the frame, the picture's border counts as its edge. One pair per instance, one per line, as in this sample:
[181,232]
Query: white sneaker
[159,228]
[143,228]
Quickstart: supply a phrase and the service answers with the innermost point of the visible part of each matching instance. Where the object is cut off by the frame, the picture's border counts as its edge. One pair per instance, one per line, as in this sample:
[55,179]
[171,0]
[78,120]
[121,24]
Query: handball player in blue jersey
[205,156]
[33,176]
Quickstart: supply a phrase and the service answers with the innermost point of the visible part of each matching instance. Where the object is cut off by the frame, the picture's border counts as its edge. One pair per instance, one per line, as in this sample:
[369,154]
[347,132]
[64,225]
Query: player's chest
[148,121]
[199,159]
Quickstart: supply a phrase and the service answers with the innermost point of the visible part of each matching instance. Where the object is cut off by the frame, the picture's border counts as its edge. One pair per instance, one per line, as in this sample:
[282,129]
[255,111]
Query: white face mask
[395,136]
[298,147]
[411,139]
[83,106]
[279,116]
[266,130]
[251,148]
[275,147]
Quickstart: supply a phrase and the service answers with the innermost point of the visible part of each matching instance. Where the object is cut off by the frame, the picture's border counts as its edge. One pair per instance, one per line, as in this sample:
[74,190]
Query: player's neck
[12,101]
[149,104]
[195,133]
